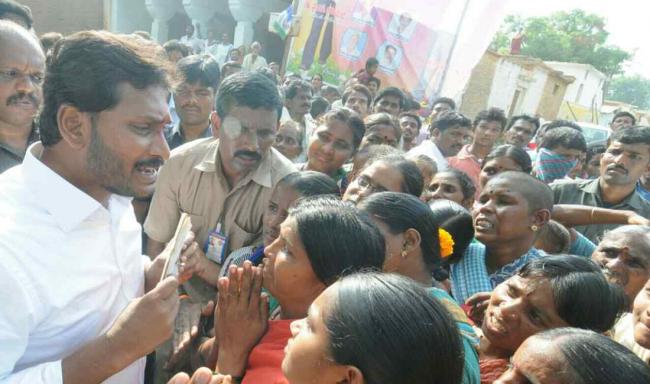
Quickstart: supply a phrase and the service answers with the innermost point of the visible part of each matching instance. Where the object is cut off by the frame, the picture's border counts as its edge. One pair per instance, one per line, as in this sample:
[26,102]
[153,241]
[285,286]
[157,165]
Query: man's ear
[352,376]
[75,126]
[215,123]
[435,132]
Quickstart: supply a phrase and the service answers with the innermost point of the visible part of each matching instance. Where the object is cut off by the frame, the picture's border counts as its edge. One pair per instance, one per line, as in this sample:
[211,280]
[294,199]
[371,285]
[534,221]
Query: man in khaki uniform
[222,184]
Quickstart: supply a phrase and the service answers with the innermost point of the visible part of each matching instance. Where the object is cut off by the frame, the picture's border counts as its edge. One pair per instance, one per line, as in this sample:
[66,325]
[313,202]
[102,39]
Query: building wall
[587,89]
[535,82]
[479,85]
[66,16]
[554,91]
[505,84]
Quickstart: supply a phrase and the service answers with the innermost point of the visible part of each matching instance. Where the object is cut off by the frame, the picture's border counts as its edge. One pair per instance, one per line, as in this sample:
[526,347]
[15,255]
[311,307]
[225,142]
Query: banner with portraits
[411,39]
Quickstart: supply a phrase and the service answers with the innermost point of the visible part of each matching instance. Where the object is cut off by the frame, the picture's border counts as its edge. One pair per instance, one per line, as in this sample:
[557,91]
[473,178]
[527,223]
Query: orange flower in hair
[446,243]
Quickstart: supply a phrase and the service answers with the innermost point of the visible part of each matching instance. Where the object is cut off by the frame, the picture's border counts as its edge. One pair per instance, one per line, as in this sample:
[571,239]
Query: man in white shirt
[192,40]
[80,303]
[220,50]
[297,102]
[449,132]
[254,60]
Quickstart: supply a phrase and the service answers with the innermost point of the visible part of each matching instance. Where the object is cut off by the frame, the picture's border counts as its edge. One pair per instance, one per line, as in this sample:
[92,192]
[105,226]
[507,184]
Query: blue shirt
[644,193]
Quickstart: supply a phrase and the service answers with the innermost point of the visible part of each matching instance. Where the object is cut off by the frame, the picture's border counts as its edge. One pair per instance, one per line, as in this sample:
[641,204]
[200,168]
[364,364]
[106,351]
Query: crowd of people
[337,235]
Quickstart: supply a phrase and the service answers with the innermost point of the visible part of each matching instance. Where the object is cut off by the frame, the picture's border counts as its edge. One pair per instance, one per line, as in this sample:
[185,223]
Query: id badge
[216,245]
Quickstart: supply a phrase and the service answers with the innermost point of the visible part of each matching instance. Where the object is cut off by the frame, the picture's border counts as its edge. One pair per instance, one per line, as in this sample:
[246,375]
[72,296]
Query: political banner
[411,39]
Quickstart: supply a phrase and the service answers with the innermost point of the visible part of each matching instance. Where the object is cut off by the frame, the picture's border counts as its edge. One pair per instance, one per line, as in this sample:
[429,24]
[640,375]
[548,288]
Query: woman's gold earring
[534,228]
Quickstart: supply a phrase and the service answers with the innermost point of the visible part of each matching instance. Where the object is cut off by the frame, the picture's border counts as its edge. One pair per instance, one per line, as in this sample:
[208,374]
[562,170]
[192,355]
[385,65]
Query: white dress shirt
[69,267]
[250,65]
[430,149]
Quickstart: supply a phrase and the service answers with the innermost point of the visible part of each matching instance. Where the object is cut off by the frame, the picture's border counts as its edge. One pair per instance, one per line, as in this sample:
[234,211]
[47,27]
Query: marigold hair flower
[446,243]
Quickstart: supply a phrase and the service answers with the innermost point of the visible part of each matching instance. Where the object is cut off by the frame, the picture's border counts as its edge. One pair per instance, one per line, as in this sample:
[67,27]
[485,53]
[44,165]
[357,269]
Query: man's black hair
[530,119]
[638,134]
[372,61]
[291,90]
[451,120]
[360,88]
[413,116]
[247,89]
[445,100]
[564,137]
[491,114]
[625,113]
[12,7]
[201,69]
[391,91]
[373,79]
[562,123]
[85,70]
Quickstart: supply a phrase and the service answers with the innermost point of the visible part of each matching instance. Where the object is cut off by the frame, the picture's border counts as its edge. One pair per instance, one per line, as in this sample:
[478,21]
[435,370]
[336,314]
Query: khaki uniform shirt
[587,192]
[192,181]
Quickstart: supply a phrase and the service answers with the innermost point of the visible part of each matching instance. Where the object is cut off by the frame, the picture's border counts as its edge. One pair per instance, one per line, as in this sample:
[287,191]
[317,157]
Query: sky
[627,21]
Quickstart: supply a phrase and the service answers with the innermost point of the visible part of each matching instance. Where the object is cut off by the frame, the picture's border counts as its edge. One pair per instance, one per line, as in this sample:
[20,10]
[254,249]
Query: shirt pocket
[239,237]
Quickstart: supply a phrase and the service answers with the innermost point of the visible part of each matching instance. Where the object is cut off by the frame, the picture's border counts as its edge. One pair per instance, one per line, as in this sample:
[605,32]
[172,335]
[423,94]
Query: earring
[534,228]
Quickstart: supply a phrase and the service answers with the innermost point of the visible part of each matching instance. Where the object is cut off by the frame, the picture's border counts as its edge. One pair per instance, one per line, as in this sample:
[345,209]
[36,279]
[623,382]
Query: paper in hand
[174,247]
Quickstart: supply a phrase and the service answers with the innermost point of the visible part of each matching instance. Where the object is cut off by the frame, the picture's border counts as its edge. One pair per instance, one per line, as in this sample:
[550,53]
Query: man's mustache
[19,97]
[155,162]
[619,167]
[249,154]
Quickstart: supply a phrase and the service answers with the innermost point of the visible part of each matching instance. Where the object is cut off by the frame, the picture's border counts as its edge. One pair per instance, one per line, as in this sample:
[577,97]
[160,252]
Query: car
[595,134]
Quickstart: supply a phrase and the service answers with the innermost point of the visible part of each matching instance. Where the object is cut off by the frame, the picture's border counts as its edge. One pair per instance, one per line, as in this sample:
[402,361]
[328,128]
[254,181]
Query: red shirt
[265,360]
[468,163]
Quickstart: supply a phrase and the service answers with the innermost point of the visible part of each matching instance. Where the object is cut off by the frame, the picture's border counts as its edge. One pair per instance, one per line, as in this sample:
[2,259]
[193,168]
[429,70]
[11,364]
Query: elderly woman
[546,293]
[574,356]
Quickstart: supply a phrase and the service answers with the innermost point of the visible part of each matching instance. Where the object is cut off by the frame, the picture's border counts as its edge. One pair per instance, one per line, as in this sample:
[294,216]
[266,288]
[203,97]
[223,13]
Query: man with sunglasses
[22,64]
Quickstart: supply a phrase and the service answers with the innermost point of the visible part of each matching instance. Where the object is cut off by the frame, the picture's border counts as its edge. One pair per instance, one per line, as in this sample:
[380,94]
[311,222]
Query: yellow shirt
[192,181]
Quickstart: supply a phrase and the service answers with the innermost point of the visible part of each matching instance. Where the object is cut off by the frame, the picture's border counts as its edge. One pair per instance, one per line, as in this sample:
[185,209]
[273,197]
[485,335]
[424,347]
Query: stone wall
[66,16]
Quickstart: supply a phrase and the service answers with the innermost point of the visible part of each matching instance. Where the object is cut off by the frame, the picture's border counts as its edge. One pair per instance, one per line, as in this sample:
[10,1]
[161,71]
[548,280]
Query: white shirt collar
[69,205]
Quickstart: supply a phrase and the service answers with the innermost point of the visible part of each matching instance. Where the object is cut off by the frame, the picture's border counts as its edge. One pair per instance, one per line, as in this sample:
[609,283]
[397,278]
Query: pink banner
[412,39]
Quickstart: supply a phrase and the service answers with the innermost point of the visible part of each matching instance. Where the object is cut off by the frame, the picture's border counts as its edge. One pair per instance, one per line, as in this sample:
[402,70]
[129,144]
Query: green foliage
[330,72]
[575,36]
[633,90]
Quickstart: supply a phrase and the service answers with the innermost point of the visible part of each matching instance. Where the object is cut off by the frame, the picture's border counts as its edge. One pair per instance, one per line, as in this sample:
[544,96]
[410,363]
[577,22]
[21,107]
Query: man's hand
[635,219]
[186,329]
[201,376]
[241,317]
[186,268]
[146,322]
[478,303]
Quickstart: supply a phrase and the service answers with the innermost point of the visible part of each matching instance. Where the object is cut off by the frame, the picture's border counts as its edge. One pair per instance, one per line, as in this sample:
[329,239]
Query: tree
[574,36]
[633,90]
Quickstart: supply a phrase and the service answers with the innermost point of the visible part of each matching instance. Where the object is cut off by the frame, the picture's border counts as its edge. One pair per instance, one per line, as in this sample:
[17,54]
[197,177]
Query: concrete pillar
[245,12]
[201,11]
[161,11]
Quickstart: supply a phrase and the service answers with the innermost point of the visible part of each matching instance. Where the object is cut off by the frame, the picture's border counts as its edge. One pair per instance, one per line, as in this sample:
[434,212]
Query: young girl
[374,328]
[333,143]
